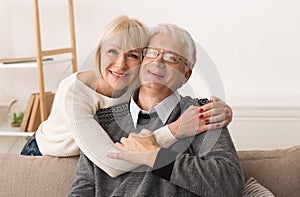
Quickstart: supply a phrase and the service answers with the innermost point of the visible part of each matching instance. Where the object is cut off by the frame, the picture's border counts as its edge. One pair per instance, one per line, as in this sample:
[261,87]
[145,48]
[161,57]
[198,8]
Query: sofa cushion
[254,189]
[36,176]
[277,170]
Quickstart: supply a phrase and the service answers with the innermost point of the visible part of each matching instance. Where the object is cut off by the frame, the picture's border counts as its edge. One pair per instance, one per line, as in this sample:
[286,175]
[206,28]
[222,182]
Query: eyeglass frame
[178,57]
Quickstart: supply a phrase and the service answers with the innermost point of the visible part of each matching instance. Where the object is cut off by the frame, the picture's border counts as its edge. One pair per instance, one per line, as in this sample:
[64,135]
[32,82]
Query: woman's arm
[215,114]
[80,106]
[81,103]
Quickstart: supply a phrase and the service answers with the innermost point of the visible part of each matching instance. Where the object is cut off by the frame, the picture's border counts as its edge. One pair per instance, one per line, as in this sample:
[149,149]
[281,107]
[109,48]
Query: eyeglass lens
[167,56]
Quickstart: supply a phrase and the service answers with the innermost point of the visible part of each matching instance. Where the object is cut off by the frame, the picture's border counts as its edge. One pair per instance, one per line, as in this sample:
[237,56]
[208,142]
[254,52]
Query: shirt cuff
[164,163]
[164,137]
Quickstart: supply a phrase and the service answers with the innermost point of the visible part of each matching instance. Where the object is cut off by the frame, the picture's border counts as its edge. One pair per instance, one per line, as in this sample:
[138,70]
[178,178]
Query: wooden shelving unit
[41,53]
[40,56]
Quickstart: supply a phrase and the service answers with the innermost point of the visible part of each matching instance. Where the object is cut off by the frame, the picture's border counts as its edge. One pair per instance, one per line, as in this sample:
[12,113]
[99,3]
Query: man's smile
[157,74]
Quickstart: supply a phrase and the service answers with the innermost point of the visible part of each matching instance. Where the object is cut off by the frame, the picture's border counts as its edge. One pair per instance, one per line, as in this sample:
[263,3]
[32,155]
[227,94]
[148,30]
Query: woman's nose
[121,60]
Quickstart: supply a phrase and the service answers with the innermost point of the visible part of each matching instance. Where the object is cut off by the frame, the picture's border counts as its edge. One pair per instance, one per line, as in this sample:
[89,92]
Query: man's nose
[159,58]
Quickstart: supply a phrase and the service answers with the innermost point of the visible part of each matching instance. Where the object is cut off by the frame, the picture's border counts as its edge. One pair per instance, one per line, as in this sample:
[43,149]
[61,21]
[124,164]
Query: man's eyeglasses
[168,56]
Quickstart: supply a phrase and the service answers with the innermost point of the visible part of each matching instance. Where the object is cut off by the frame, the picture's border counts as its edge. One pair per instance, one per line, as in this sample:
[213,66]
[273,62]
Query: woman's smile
[118,75]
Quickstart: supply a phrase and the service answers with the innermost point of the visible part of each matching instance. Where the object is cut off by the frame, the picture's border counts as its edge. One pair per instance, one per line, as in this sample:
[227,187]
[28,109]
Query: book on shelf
[35,114]
[27,113]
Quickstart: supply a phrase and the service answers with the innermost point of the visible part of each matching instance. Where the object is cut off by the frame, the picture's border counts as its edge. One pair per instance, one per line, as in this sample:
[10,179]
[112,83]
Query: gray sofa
[277,170]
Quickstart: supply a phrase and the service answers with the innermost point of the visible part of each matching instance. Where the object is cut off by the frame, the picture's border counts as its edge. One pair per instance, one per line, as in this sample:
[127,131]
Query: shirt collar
[163,109]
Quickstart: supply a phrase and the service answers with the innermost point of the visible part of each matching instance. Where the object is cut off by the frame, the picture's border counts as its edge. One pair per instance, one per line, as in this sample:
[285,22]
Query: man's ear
[187,75]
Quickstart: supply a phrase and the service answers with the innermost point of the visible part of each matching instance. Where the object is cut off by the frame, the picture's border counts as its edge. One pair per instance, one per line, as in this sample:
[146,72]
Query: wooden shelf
[7,131]
[32,64]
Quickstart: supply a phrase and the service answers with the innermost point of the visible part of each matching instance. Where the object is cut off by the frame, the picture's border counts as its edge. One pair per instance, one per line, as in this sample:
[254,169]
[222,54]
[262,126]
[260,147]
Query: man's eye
[170,57]
[151,53]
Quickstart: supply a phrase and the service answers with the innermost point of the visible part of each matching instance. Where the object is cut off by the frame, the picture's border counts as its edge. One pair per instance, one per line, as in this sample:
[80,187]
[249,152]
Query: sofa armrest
[277,170]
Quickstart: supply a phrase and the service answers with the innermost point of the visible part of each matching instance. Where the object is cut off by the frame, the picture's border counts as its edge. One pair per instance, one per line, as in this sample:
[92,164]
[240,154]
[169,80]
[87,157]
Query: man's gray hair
[180,35]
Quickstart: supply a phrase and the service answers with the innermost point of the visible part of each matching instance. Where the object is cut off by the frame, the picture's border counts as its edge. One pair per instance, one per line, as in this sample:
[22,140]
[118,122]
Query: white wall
[254,45]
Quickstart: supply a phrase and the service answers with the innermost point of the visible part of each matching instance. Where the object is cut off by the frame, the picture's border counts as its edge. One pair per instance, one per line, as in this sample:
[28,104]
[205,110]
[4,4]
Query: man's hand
[139,148]
[195,120]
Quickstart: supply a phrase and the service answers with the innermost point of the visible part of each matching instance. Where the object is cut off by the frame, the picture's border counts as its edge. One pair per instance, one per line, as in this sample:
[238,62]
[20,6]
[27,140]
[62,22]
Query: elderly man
[202,165]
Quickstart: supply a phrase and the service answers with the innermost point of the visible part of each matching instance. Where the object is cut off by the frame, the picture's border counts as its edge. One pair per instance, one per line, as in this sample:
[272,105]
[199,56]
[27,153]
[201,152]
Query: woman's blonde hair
[122,31]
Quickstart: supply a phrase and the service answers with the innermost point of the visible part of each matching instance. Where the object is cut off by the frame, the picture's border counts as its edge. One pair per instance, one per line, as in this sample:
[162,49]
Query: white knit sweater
[71,127]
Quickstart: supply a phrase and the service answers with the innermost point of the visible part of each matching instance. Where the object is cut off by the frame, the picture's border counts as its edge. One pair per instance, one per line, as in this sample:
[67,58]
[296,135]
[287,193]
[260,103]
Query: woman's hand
[217,113]
[139,148]
[197,119]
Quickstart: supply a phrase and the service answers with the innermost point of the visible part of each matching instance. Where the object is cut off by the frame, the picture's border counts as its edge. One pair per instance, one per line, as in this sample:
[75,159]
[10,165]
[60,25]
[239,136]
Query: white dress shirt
[163,109]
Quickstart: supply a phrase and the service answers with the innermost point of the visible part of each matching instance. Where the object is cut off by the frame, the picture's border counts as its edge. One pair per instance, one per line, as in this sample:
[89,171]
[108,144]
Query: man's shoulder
[117,111]
[188,101]
[118,107]
[184,104]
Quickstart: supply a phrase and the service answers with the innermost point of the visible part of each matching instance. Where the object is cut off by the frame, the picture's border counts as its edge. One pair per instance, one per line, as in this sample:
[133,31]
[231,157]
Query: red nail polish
[201,116]
[201,110]
[210,101]
[218,125]
[206,120]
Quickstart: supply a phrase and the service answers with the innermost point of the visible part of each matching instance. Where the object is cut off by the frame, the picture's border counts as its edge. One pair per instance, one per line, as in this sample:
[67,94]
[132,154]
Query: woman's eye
[113,52]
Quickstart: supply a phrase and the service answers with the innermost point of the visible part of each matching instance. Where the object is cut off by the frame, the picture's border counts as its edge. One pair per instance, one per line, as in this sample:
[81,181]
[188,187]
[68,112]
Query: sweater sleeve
[164,137]
[210,162]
